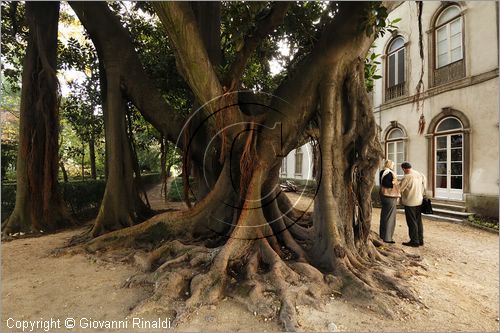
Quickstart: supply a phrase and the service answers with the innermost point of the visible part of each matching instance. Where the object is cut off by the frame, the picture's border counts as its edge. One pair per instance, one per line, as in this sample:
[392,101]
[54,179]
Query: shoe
[412,244]
[421,243]
[390,242]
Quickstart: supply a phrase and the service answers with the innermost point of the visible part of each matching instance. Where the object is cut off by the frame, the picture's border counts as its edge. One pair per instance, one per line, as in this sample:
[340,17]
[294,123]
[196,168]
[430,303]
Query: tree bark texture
[39,205]
[244,237]
[121,205]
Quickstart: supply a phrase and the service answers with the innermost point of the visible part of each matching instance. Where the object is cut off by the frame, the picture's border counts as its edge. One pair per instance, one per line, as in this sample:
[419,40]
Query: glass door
[449,167]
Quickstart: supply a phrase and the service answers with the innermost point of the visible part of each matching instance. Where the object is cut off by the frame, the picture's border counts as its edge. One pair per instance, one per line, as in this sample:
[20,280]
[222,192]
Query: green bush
[78,195]
[8,199]
[81,195]
[176,189]
[9,154]
[484,221]
[149,180]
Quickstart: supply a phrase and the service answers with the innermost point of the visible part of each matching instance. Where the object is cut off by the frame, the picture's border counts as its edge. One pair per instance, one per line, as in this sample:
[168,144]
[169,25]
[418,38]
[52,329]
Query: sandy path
[37,285]
[460,287]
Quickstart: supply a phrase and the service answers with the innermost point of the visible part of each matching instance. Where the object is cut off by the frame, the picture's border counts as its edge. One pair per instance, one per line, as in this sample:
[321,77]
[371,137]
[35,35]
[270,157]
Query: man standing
[412,193]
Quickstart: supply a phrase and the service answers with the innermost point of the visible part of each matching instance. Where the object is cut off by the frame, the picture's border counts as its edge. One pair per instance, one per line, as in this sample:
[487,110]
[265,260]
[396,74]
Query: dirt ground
[459,287]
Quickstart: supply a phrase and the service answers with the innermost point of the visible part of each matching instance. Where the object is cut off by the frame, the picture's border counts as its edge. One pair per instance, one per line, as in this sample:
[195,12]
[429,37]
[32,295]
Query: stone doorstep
[441,205]
[452,213]
[439,217]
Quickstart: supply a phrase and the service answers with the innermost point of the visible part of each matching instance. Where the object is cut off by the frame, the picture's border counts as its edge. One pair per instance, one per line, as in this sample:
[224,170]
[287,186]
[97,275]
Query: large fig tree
[243,237]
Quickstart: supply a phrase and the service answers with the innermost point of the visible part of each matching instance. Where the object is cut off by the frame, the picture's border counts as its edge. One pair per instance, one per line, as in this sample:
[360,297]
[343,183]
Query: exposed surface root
[271,276]
[187,276]
[184,277]
[163,227]
[267,265]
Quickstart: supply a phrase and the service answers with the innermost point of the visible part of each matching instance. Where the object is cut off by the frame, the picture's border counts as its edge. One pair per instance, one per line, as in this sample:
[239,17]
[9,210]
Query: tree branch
[114,46]
[192,58]
[297,96]
[263,28]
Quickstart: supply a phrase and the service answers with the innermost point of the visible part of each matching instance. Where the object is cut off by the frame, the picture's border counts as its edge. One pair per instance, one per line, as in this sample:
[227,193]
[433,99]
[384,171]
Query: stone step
[449,202]
[442,218]
[451,213]
[446,206]
[444,215]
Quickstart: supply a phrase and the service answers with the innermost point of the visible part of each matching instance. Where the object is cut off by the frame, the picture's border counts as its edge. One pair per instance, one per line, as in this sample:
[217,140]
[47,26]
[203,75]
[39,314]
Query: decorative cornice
[457,84]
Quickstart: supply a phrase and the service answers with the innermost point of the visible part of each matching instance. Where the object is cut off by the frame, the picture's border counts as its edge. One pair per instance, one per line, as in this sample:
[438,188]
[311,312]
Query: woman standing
[389,194]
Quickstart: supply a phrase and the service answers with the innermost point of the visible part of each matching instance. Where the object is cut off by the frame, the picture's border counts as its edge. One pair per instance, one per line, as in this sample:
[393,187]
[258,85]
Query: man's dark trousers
[414,221]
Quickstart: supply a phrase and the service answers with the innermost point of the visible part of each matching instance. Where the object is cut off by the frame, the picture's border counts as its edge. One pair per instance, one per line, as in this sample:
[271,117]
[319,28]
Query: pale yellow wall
[481,42]
[481,37]
[478,102]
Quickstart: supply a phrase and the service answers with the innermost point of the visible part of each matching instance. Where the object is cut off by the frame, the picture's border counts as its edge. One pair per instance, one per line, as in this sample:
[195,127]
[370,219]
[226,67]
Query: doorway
[449,160]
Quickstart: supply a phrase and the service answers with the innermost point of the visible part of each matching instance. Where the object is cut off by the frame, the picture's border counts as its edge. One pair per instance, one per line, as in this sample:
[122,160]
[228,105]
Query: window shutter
[392,70]
[401,66]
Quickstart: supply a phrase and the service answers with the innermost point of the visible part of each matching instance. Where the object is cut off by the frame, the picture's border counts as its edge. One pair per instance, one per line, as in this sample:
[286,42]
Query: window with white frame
[395,148]
[396,62]
[449,45]
[298,161]
[283,167]
[395,73]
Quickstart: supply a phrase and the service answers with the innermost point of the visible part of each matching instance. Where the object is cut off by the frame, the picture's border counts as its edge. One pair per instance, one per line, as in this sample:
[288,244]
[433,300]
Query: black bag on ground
[426,207]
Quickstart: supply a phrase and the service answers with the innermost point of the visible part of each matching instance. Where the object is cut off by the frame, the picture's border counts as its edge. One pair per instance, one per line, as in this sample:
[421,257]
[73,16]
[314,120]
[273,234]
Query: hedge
[79,195]
[176,189]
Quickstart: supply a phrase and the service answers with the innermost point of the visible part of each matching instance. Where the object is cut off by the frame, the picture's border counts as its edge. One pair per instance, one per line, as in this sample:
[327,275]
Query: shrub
[8,199]
[484,221]
[151,179]
[79,195]
[176,189]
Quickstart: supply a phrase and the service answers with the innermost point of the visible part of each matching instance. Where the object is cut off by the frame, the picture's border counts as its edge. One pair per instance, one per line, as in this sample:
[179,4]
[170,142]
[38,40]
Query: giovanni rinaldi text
[52,324]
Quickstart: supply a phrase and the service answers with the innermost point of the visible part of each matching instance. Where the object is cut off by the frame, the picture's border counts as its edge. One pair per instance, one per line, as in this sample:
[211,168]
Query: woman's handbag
[390,192]
[426,207]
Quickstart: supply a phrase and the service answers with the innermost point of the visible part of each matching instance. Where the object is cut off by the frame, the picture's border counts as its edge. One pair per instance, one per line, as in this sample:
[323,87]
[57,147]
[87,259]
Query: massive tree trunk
[121,205]
[245,238]
[39,205]
[132,83]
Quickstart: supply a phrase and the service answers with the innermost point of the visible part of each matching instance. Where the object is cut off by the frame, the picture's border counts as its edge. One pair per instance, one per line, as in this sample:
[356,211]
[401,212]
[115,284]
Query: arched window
[396,77]
[449,46]
[448,30]
[298,161]
[395,148]
[449,124]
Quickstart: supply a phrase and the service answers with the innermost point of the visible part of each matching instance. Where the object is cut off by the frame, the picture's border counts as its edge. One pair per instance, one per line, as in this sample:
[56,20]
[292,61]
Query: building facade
[457,112]
[298,164]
